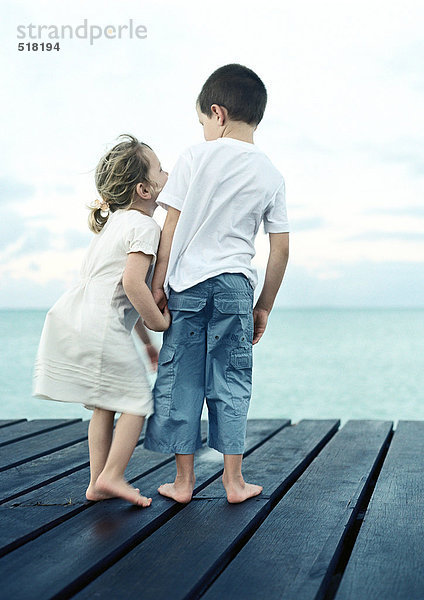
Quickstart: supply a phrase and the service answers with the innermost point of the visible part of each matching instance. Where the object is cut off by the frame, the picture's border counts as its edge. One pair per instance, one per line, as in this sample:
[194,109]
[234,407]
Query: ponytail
[97,219]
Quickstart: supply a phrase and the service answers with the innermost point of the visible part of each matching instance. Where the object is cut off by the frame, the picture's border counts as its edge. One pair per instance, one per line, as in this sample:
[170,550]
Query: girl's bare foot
[94,495]
[119,488]
[180,491]
[239,491]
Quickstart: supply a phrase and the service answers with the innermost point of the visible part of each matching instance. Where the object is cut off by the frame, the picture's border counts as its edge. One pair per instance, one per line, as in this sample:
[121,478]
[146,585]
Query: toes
[144,501]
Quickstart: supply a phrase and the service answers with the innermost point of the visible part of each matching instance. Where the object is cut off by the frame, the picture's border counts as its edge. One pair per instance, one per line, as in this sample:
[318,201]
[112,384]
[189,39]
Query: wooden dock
[341,516]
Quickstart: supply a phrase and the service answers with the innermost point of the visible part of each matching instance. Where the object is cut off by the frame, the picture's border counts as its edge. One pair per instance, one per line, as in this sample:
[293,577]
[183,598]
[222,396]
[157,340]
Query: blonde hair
[116,177]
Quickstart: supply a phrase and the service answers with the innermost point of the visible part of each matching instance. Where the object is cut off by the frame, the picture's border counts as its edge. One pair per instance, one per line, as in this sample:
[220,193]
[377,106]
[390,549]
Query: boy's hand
[160,298]
[153,355]
[260,319]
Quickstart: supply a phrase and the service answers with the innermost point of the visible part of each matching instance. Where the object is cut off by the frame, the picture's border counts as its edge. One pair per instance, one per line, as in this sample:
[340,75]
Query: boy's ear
[220,113]
[142,191]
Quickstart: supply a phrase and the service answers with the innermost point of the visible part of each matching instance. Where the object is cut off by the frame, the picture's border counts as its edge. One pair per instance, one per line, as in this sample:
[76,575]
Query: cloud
[406,152]
[20,236]
[306,224]
[13,189]
[375,236]
[343,124]
[409,211]
[27,293]
[361,284]
[11,225]
[407,63]
[77,239]
[43,267]
[36,239]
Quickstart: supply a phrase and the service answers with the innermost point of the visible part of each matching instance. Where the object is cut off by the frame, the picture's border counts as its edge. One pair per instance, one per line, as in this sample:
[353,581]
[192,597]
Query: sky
[344,125]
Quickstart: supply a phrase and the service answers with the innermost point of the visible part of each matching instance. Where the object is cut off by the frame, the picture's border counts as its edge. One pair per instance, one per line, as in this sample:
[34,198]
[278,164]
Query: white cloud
[344,121]
[44,267]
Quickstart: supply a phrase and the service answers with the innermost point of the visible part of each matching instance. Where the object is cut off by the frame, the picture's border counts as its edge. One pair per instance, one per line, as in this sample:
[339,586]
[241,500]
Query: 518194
[38,47]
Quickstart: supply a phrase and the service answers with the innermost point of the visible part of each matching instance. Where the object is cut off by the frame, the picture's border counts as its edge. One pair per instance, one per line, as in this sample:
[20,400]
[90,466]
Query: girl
[86,352]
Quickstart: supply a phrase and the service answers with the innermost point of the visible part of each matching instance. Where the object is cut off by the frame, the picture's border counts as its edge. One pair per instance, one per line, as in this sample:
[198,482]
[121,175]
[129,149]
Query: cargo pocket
[186,303]
[240,325]
[187,322]
[239,379]
[233,306]
[162,391]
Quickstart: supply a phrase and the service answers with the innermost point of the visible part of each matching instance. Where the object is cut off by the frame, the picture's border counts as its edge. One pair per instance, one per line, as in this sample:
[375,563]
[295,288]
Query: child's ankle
[232,478]
[111,473]
[185,477]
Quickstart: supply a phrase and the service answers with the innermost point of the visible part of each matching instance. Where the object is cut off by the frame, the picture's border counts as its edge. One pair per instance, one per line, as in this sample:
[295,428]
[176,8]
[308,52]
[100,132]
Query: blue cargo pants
[206,354]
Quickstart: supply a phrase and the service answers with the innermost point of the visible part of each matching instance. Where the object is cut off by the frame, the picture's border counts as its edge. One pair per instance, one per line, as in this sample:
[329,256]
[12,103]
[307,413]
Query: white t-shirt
[224,189]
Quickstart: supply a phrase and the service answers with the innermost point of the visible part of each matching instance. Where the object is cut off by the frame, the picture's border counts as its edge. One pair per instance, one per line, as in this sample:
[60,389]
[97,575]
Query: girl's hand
[167,316]
[165,323]
[153,355]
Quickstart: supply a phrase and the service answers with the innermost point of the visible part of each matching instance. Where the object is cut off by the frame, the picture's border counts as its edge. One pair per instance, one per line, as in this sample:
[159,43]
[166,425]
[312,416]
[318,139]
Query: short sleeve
[176,187]
[142,238]
[275,216]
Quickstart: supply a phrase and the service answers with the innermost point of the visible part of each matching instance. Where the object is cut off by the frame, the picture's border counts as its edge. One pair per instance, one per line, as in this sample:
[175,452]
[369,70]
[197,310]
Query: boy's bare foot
[94,495]
[119,488]
[239,491]
[180,491]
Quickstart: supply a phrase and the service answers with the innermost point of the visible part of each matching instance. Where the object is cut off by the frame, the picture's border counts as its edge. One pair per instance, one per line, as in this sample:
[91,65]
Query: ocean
[310,364]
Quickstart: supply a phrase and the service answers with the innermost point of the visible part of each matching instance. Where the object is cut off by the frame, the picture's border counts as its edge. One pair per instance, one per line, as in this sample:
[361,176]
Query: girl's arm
[139,295]
[163,256]
[150,348]
[142,333]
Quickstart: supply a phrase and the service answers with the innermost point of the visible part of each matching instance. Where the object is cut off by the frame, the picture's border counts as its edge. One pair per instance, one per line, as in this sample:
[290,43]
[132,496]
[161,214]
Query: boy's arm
[277,262]
[163,256]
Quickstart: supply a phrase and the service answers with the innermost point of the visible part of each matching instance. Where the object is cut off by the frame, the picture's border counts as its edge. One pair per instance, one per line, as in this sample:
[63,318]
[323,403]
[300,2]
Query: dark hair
[236,88]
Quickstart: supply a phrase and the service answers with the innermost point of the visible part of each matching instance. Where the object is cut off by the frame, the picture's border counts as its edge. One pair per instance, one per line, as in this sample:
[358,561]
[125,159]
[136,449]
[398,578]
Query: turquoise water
[311,363]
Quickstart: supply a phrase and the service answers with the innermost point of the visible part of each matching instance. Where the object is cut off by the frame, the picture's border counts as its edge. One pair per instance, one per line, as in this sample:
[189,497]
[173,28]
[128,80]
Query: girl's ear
[143,191]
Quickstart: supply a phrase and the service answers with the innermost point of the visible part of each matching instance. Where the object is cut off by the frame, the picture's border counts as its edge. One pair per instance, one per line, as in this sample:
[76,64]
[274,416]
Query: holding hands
[160,298]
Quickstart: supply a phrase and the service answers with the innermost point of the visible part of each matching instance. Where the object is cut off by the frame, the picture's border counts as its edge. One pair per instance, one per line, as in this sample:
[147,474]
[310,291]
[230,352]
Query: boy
[216,197]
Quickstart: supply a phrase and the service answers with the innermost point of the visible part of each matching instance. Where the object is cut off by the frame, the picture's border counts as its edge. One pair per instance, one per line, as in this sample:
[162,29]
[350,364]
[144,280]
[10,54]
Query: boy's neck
[239,131]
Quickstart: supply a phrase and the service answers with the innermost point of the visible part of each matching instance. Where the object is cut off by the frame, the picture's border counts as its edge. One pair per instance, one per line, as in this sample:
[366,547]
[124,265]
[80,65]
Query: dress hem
[92,406]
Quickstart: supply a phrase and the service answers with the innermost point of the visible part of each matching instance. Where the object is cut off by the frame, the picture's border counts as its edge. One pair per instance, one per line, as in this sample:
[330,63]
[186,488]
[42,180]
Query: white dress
[87,353]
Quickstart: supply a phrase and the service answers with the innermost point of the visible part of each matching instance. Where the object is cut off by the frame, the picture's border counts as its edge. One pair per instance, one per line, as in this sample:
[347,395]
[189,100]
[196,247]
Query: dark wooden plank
[205,535]
[60,500]
[40,445]
[64,498]
[41,471]
[387,560]
[27,429]
[34,473]
[103,530]
[293,554]
[9,422]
